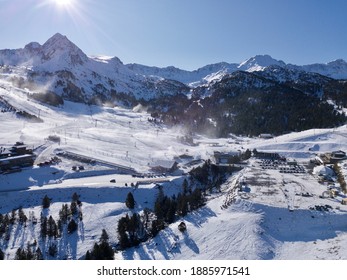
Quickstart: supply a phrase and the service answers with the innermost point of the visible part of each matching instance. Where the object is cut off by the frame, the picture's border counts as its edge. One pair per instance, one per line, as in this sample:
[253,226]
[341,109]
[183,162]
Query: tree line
[139,227]
[69,217]
[247,104]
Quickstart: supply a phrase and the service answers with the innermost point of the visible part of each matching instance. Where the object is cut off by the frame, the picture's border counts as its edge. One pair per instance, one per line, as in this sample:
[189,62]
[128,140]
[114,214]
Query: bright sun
[64,3]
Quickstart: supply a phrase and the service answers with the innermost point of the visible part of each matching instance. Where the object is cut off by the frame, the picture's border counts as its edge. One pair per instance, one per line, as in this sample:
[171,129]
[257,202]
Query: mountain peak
[58,36]
[58,41]
[259,62]
[59,48]
[338,62]
[32,46]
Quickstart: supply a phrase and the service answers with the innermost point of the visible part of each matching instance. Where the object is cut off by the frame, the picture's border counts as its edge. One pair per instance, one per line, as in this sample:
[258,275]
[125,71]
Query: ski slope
[271,220]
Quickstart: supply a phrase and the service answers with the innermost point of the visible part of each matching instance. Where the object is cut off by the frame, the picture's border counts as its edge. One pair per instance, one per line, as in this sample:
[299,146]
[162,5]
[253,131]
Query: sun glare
[64,3]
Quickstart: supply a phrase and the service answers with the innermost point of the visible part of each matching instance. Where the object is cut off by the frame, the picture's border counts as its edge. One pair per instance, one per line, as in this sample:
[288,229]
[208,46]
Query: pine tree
[20,254]
[160,196]
[133,227]
[104,236]
[182,205]
[73,208]
[72,226]
[43,226]
[171,212]
[46,202]
[160,207]
[101,250]
[122,232]
[96,253]
[196,199]
[28,253]
[185,186]
[64,213]
[4,224]
[21,216]
[157,225]
[2,255]
[53,250]
[75,197]
[52,228]
[246,155]
[107,253]
[88,256]
[130,201]
[38,254]
[13,216]
[158,210]
[6,227]
[59,227]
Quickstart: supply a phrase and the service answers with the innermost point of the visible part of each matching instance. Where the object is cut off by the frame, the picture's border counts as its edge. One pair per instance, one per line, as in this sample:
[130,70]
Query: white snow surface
[259,63]
[268,219]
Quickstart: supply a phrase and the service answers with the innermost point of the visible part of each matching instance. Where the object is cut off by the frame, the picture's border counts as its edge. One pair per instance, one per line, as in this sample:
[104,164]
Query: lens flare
[64,3]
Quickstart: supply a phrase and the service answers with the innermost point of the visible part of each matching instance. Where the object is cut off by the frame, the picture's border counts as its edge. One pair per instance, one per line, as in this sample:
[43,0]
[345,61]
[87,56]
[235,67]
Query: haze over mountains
[59,54]
[61,70]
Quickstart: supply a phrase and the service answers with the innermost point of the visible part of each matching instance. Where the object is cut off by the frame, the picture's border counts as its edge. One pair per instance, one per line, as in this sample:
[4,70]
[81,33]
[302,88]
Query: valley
[258,213]
[231,161]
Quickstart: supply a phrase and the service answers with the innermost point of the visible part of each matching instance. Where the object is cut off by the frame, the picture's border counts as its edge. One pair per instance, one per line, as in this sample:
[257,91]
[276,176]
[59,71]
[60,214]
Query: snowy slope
[257,225]
[259,63]
[269,218]
[252,224]
[57,53]
[336,69]
[60,66]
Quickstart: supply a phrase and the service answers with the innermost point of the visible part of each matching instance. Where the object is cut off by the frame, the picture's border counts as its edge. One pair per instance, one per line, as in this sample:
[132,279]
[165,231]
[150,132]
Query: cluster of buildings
[226,157]
[15,158]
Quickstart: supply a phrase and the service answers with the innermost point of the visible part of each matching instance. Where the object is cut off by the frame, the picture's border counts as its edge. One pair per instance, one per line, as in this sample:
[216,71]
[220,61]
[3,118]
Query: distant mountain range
[62,65]
[336,69]
[60,70]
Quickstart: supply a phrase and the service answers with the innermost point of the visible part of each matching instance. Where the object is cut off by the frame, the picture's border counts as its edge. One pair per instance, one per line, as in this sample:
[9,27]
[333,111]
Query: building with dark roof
[16,157]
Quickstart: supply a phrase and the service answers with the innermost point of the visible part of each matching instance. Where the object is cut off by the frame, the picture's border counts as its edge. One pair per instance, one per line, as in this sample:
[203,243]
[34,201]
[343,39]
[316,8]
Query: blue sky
[185,33]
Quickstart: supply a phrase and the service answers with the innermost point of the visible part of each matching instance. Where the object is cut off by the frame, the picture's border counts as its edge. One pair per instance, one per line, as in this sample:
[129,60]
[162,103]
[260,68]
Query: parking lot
[282,166]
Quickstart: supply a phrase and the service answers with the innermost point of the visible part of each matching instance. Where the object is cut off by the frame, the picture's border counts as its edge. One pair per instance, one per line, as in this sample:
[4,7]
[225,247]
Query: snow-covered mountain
[200,76]
[335,69]
[214,72]
[61,67]
[259,63]
[58,53]
[208,73]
